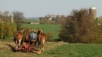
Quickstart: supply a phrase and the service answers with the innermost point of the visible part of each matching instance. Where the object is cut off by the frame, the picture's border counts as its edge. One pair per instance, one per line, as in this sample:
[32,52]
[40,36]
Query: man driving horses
[33,37]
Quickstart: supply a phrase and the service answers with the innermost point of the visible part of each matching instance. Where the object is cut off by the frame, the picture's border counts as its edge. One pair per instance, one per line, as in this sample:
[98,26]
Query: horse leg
[19,44]
[16,43]
[42,45]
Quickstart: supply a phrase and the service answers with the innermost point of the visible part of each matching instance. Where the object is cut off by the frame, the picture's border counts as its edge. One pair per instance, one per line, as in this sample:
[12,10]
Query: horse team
[21,37]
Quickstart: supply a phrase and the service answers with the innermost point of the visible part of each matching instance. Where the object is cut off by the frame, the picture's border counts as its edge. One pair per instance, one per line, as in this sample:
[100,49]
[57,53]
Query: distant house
[50,19]
[34,23]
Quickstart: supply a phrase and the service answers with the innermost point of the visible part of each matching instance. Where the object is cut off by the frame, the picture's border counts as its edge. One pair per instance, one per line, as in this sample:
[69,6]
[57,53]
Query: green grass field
[45,27]
[77,50]
[52,28]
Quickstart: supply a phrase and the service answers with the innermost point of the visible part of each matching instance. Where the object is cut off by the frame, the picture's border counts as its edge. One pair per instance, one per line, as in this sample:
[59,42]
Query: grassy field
[77,50]
[52,28]
[55,49]
[45,27]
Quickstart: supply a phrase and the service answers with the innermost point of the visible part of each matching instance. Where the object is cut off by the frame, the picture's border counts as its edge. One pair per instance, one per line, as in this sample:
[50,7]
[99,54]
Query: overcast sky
[40,8]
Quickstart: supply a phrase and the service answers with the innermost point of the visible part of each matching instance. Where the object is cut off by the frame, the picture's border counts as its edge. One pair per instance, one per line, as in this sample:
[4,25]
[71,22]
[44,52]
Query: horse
[41,39]
[18,37]
[27,39]
[26,36]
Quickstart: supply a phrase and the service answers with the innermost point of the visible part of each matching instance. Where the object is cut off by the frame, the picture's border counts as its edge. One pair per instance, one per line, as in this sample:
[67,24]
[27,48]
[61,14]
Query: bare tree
[6,16]
[18,18]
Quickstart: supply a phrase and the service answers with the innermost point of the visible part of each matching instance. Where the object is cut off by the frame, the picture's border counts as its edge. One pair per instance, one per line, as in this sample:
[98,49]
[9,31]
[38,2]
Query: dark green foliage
[80,27]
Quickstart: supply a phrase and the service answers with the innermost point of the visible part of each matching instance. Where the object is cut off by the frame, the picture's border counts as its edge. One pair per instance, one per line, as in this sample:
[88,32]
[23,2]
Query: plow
[28,48]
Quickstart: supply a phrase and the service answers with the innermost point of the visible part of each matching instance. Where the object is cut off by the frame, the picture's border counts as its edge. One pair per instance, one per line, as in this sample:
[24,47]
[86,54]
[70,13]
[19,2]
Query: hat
[34,30]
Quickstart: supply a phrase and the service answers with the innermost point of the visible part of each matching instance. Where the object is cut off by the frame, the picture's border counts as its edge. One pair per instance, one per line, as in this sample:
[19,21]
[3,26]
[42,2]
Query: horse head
[39,31]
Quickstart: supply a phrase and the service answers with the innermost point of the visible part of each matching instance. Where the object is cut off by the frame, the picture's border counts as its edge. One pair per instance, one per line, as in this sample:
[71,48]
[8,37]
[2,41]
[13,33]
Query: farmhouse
[34,23]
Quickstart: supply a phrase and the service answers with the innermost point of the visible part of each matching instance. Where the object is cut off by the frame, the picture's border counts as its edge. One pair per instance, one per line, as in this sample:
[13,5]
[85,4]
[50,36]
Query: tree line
[78,27]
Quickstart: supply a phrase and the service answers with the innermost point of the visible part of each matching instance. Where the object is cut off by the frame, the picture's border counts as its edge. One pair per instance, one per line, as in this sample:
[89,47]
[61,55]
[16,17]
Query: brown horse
[41,39]
[18,37]
[27,37]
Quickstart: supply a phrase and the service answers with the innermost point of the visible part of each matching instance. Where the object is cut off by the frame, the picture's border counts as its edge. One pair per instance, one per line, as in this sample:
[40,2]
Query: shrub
[50,36]
[10,29]
[7,29]
[2,30]
[80,27]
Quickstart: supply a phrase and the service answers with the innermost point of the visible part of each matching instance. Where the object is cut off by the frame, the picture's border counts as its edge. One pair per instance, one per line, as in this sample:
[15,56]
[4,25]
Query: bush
[50,36]
[2,30]
[80,27]
[7,29]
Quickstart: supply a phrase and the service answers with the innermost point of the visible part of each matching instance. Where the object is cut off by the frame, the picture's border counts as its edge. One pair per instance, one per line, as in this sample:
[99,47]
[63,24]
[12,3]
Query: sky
[40,8]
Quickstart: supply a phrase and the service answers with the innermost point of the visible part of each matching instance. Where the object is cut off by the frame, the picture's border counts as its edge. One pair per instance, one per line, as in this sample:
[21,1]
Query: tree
[18,18]
[2,30]
[62,19]
[7,29]
[6,17]
[6,13]
[79,27]
[10,29]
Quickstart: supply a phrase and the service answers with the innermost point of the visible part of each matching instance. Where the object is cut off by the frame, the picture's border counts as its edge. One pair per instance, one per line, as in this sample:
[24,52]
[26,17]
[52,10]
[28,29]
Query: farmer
[33,37]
